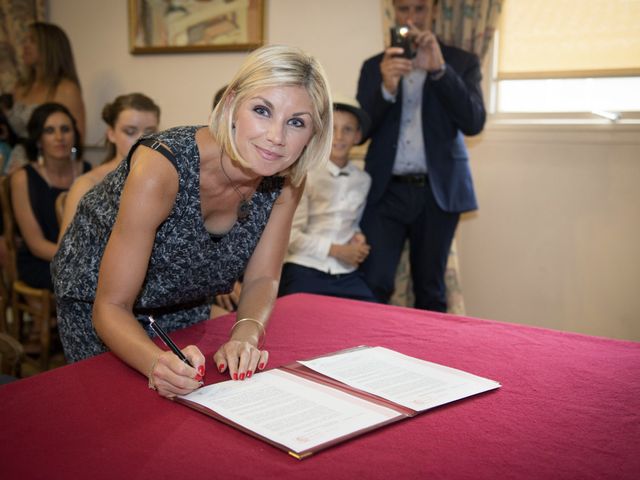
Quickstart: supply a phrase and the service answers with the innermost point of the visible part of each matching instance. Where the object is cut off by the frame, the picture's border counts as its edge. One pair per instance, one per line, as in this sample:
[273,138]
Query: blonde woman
[191,210]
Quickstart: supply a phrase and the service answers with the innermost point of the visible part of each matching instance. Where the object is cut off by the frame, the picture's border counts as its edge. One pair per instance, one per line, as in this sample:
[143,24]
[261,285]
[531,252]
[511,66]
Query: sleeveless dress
[188,265]
[19,115]
[32,270]
[18,118]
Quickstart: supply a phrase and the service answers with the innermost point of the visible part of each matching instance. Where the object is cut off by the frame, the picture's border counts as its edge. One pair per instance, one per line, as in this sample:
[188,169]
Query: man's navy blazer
[451,107]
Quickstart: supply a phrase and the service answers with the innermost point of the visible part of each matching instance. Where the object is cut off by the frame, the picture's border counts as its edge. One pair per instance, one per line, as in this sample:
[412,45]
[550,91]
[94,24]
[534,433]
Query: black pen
[167,341]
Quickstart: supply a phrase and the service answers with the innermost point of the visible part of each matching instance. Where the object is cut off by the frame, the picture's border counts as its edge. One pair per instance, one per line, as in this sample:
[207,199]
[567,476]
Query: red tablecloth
[569,407]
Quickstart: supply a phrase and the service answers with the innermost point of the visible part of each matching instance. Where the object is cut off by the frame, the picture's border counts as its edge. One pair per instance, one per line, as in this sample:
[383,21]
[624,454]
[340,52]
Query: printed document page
[290,410]
[408,381]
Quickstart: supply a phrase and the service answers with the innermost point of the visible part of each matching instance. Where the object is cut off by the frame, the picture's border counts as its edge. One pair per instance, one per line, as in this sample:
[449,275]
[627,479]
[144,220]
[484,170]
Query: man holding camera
[422,97]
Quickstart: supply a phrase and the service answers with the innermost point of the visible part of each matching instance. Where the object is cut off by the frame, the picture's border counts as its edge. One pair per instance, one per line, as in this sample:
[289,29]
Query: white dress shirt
[329,212]
[411,156]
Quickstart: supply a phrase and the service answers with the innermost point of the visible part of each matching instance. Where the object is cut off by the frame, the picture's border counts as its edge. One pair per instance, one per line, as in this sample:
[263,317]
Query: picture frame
[175,26]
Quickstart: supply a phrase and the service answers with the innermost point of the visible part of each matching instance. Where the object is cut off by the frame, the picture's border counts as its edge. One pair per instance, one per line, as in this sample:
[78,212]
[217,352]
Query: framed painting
[172,26]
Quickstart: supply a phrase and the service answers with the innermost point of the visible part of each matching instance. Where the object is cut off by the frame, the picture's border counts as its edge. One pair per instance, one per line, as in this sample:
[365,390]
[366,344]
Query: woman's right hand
[170,376]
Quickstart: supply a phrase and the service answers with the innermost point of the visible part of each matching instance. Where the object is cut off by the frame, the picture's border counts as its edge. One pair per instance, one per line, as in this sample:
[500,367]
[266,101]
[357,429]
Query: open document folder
[310,405]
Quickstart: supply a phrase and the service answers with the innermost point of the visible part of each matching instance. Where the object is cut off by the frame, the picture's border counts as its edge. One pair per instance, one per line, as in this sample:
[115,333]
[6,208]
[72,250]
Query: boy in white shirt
[326,244]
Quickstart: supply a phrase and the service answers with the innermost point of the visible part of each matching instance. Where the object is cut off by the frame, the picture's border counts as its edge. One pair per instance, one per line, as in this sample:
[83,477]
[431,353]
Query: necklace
[245,205]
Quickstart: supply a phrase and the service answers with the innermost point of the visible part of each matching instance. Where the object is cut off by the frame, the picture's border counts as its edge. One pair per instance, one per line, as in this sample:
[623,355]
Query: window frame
[579,119]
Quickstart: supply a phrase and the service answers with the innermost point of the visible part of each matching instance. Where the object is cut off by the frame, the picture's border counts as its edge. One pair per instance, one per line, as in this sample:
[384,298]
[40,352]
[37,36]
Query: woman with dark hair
[50,76]
[52,147]
[128,117]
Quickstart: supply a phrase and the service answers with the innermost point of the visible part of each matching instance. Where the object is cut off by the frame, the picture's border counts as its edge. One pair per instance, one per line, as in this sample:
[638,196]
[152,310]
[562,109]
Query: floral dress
[188,265]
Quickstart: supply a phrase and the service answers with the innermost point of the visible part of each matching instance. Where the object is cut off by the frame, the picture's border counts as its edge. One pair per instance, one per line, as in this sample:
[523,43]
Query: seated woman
[52,147]
[128,117]
[50,77]
[190,211]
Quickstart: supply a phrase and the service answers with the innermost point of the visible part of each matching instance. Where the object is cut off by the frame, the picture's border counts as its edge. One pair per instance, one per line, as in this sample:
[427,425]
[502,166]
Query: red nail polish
[261,366]
[235,376]
[242,376]
[201,370]
[249,373]
[221,367]
[198,377]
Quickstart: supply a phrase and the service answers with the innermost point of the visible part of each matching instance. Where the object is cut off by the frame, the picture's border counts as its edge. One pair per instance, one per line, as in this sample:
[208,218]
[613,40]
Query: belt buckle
[417,180]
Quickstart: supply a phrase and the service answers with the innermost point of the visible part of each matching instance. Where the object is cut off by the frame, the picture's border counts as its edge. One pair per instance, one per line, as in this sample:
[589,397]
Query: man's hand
[428,54]
[393,67]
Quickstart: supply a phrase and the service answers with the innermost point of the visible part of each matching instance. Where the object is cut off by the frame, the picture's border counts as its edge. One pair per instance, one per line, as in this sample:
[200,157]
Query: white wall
[555,242]
[184,84]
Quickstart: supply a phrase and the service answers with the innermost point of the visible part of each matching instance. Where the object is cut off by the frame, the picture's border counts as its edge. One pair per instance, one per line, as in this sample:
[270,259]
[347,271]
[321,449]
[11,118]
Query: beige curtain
[467,24]
[470,25]
[403,294]
[15,17]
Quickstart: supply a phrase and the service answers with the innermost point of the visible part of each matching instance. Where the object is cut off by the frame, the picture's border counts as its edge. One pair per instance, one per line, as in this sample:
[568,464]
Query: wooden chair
[11,356]
[38,303]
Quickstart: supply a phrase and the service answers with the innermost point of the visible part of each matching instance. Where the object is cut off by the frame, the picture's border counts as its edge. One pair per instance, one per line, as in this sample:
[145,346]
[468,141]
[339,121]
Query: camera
[400,38]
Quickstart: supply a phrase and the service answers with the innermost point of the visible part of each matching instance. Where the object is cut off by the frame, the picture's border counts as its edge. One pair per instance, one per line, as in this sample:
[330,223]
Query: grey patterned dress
[188,265]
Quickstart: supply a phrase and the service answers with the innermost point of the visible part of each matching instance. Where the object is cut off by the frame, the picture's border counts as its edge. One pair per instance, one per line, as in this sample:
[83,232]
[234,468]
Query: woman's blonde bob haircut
[278,66]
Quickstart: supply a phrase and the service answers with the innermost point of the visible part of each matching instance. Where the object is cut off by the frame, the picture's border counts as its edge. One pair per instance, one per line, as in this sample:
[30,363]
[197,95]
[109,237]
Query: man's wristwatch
[438,74]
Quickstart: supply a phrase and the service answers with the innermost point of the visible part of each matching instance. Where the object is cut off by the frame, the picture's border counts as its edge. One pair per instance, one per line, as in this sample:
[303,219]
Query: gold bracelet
[152,384]
[262,332]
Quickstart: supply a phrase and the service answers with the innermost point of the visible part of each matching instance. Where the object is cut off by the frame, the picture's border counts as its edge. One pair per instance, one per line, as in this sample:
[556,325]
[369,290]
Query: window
[569,56]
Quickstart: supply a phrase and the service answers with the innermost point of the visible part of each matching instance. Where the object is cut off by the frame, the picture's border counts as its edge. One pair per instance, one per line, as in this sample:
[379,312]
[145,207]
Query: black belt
[418,179]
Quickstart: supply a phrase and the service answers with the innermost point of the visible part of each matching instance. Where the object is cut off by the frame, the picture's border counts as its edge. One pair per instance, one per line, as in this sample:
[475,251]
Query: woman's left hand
[242,359]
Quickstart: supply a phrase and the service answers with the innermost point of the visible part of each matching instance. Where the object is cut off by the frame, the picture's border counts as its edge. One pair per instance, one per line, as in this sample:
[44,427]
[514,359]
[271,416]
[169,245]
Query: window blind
[569,39]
